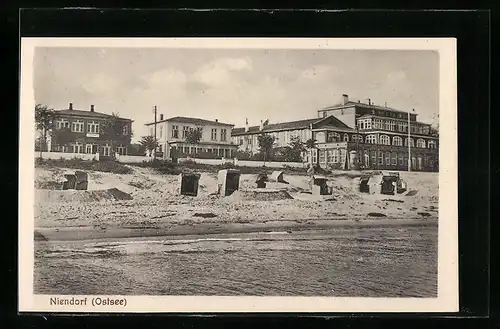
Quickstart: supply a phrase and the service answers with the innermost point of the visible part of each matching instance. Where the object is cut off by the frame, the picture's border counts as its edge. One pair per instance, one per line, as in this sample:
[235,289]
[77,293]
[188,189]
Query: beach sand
[155,209]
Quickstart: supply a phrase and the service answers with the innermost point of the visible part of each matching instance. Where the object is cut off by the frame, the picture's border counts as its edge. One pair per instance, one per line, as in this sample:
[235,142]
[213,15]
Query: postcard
[222,175]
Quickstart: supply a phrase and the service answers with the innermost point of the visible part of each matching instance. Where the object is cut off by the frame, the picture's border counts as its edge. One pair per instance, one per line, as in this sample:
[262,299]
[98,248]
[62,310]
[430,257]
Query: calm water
[354,262]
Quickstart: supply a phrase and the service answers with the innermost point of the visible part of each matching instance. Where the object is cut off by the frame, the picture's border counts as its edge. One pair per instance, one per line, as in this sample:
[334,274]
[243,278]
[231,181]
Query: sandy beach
[145,204]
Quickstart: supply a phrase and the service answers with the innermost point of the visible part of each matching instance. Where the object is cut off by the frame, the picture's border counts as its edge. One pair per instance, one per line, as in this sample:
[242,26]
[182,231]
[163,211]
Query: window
[411,142]
[397,141]
[388,158]
[335,156]
[342,155]
[380,158]
[346,137]
[392,125]
[160,148]
[106,150]
[125,130]
[368,124]
[161,131]
[361,124]
[431,144]
[322,156]
[420,143]
[401,159]
[426,130]
[324,114]
[241,141]
[62,123]
[223,134]
[93,127]
[214,134]
[121,149]
[385,140]
[330,156]
[77,126]
[77,148]
[185,130]
[333,137]
[175,131]
[394,158]
[372,139]
[88,149]
[314,155]
[374,157]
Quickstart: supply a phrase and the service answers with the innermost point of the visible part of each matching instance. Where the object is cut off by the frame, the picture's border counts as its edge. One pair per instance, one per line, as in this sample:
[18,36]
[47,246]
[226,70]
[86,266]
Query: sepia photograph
[271,172]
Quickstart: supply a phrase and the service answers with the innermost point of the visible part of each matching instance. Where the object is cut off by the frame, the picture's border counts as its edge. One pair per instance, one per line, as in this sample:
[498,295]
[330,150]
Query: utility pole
[357,146]
[154,141]
[409,144]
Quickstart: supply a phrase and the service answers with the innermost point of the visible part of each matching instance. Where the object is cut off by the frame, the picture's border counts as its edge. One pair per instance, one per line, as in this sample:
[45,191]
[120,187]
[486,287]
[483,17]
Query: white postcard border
[447,300]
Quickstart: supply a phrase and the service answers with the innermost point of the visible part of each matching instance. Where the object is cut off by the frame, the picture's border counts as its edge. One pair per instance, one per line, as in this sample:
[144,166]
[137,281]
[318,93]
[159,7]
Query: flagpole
[409,147]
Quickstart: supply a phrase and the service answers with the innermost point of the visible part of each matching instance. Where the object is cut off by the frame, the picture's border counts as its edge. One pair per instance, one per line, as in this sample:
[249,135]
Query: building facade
[84,133]
[171,133]
[356,134]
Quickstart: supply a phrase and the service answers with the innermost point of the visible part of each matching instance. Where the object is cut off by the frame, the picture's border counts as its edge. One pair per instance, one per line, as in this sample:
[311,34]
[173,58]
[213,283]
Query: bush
[80,164]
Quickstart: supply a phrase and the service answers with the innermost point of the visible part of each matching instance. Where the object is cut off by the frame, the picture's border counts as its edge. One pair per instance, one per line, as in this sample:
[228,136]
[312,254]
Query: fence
[245,163]
[132,158]
[63,155]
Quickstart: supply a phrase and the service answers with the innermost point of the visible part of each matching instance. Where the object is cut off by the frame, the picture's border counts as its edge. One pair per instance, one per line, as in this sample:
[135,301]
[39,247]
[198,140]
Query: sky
[233,84]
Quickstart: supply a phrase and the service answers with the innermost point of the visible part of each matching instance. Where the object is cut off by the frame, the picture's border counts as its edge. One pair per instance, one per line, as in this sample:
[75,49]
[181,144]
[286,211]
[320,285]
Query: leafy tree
[293,151]
[243,155]
[266,143]
[44,122]
[193,137]
[136,149]
[112,131]
[310,144]
[62,137]
[149,143]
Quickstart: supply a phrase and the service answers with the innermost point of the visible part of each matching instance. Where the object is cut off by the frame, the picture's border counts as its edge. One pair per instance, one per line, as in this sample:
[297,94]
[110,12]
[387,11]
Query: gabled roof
[196,121]
[364,105]
[97,115]
[291,125]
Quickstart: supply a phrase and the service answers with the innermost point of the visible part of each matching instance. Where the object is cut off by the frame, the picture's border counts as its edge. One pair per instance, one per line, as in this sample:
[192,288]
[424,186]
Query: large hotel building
[378,134]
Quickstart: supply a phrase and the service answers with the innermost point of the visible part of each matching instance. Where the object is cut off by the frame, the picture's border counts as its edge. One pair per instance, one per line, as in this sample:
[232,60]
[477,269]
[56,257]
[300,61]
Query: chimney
[216,120]
[246,125]
[369,101]
[161,117]
[385,104]
[345,98]
[261,125]
[71,106]
[91,108]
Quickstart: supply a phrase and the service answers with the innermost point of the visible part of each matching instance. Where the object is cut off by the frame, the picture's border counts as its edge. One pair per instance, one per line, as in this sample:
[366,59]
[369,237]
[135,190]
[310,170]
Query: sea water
[395,261]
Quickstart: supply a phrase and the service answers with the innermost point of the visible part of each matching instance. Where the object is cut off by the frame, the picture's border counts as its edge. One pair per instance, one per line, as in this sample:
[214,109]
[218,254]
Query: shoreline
[83,233]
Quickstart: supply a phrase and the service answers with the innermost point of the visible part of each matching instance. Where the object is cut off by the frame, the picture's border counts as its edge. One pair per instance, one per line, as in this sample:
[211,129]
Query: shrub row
[80,164]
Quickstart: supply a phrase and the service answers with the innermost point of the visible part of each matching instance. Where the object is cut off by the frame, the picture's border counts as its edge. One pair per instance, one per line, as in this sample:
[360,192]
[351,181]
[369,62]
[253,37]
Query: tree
[62,137]
[193,137]
[112,130]
[293,151]
[44,122]
[149,143]
[310,144]
[266,143]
